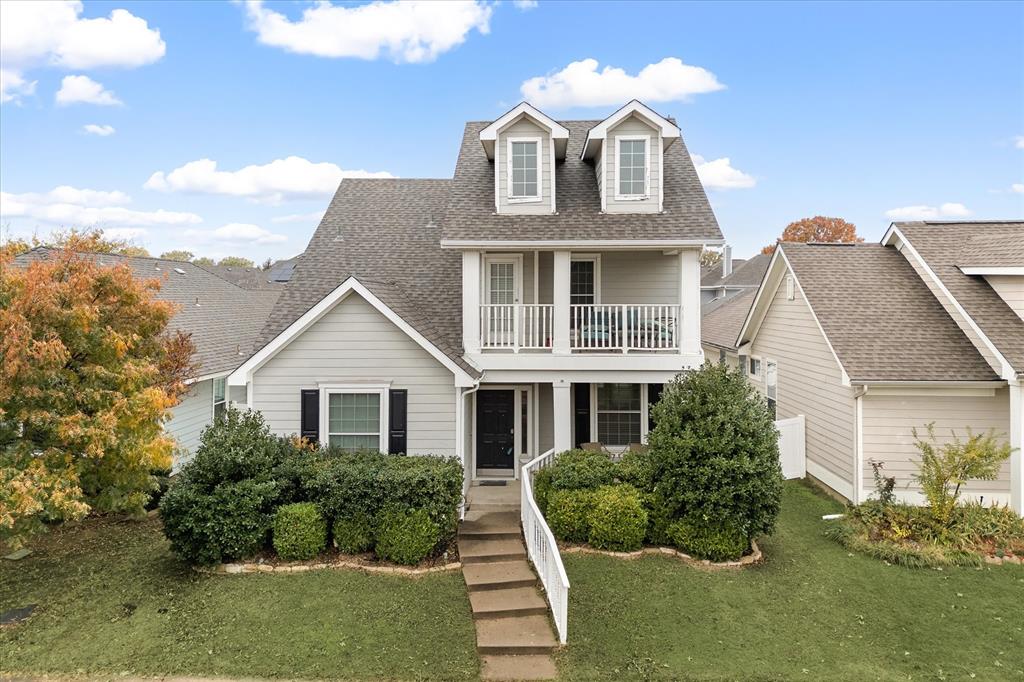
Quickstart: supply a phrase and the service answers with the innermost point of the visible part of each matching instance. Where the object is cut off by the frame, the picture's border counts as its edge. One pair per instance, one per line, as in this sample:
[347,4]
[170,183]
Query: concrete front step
[478,551]
[515,635]
[512,601]
[498,575]
[528,667]
[491,508]
[490,525]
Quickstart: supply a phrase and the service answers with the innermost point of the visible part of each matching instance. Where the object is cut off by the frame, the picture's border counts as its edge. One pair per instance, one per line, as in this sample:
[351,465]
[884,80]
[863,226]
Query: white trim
[669,361]
[644,414]
[531,436]
[616,244]
[536,277]
[525,198]
[381,390]
[554,194]
[556,129]
[760,368]
[668,130]
[858,449]
[516,259]
[840,485]
[604,180]
[619,196]
[661,174]
[213,397]
[595,258]
[243,373]
[207,377]
[992,269]
[771,361]
[894,237]
[497,180]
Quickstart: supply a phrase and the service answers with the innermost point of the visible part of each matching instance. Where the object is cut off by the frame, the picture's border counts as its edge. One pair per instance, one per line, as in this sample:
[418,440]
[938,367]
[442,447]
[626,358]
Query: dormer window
[631,160]
[524,169]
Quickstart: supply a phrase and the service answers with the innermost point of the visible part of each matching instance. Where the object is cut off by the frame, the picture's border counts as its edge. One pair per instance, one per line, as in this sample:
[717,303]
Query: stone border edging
[994,560]
[754,557]
[249,567]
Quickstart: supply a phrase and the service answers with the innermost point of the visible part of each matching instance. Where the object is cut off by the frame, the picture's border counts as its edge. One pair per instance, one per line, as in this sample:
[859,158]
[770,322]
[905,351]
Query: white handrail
[542,548]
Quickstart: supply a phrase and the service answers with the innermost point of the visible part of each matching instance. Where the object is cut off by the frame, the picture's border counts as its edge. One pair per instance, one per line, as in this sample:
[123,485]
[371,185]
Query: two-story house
[538,299]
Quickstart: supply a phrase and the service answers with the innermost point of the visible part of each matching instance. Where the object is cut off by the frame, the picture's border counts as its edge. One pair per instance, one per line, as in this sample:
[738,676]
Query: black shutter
[581,413]
[653,396]
[398,418]
[310,415]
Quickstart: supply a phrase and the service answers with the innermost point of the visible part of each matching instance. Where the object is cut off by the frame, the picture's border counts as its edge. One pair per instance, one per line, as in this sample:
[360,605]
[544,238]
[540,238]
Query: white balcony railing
[517,326]
[542,548]
[624,327]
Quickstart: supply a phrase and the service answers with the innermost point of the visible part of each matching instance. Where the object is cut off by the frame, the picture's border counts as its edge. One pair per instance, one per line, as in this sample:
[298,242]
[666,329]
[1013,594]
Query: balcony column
[560,284]
[471,301]
[689,301]
[561,392]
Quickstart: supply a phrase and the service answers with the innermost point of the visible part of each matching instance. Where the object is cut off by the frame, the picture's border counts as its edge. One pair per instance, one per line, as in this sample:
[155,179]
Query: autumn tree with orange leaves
[88,375]
[817,229]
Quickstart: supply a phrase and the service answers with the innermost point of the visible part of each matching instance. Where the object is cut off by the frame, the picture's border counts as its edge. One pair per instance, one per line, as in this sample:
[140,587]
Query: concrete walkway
[514,637]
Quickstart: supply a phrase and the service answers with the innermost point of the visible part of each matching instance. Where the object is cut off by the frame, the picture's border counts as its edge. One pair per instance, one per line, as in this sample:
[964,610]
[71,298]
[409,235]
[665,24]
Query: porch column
[689,301]
[561,402]
[471,301]
[1017,441]
[560,285]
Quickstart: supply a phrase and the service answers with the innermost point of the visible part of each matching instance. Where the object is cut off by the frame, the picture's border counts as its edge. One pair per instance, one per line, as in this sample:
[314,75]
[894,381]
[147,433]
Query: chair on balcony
[644,332]
[595,330]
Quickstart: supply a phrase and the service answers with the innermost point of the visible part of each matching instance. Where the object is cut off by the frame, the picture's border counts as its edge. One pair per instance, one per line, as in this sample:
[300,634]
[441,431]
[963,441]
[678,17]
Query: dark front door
[495,429]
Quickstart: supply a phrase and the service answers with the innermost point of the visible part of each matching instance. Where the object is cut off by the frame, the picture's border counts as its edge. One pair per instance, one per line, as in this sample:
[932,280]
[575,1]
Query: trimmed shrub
[406,536]
[708,541]
[353,535]
[714,451]
[637,469]
[618,521]
[569,514]
[659,516]
[300,531]
[542,488]
[581,470]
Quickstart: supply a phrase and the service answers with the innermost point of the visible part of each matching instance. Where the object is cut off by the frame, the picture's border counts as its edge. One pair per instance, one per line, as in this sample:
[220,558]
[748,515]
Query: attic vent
[790,289]
[179,271]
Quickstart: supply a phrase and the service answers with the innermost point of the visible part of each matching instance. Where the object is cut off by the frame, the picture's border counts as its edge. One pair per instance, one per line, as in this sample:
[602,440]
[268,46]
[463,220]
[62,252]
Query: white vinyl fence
[542,548]
[792,449]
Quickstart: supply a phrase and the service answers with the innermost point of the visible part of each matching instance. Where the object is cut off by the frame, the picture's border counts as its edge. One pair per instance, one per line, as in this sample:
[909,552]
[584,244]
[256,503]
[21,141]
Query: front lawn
[814,611]
[113,599]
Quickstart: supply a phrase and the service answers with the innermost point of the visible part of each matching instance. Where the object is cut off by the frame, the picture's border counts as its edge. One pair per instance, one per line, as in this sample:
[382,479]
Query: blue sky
[864,111]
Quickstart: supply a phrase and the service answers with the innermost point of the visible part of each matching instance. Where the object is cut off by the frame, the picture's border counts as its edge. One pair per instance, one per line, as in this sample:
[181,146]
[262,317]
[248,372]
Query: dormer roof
[596,135]
[559,133]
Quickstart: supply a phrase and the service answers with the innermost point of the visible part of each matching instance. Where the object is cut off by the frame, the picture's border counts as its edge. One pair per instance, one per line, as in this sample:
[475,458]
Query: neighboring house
[255,277]
[871,341]
[720,325]
[732,276]
[222,319]
[538,299]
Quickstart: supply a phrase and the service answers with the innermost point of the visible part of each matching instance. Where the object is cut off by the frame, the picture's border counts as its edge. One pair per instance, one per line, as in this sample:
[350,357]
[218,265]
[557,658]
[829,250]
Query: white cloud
[82,89]
[101,130]
[13,86]
[1018,142]
[1017,188]
[580,84]
[719,174]
[291,178]
[236,233]
[524,5]
[71,206]
[313,217]
[922,212]
[129,233]
[413,31]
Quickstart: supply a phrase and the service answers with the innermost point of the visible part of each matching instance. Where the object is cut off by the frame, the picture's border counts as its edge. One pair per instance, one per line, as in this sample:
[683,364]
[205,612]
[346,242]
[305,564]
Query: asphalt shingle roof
[722,319]
[880,317]
[946,246]
[222,318]
[469,213]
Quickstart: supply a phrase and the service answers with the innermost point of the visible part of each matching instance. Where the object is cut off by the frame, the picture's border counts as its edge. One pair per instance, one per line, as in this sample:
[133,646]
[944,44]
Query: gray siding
[355,343]
[546,420]
[626,277]
[712,354]
[1011,289]
[809,383]
[524,128]
[889,421]
[189,417]
[632,126]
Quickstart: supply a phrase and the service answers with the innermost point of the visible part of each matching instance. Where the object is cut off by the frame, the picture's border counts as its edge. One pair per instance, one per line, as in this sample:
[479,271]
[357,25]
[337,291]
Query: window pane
[349,413]
[218,389]
[355,442]
[632,167]
[524,169]
[618,428]
[618,397]
[219,409]
[581,282]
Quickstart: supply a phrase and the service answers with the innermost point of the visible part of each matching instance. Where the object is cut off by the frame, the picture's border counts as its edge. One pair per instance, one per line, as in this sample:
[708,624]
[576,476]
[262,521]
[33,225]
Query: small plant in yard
[406,536]
[884,485]
[618,520]
[300,531]
[353,535]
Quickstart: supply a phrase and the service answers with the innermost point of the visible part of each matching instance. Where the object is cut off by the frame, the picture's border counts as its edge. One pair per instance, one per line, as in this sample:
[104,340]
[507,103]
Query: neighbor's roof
[945,246]
[245,277]
[470,216]
[879,316]
[386,234]
[223,319]
[711,275]
[722,319]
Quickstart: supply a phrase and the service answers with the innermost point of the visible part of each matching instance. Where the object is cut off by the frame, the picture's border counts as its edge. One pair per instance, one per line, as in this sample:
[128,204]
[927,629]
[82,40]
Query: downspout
[858,453]
[460,419]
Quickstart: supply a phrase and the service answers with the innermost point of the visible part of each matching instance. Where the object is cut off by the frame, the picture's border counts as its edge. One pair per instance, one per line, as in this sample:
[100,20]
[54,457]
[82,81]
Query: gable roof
[223,319]
[946,246]
[722,319]
[667,128]
[879,317]
[559,133]
[469,215]
[711,275]
[745,273]
[384,233]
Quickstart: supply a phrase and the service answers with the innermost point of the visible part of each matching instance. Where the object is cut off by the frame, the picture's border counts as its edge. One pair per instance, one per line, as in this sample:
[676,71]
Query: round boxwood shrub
[581,470]
[353,535]
[300,531]
[714,542]
[569,514]
[406,536]
[714,451]
[618,520]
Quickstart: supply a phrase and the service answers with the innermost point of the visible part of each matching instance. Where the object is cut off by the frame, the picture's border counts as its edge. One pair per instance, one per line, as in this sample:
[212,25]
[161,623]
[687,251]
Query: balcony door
[503,289]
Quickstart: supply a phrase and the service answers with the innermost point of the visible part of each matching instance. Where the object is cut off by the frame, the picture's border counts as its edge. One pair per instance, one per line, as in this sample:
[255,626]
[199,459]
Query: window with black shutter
[581,412]
[310,415]
[398,419]
[653,396]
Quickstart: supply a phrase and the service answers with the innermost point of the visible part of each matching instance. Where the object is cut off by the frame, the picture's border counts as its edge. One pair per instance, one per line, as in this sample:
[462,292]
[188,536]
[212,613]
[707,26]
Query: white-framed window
[354,417]
[632,166]
[619,414]
[524,175]
[754,368]
[220,402]
[585,280]
[771,384]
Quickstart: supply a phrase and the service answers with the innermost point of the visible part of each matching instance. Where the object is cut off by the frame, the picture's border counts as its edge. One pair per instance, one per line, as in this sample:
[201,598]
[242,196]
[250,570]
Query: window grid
[524,169]
[581,282]
[353,420]
[632,167]
[220,403]
[619,414]
[503,283]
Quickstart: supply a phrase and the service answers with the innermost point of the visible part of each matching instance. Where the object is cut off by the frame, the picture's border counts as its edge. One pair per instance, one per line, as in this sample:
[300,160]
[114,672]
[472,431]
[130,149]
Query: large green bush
[704,540]
[406,536]
[618,521]
[353,535]
[572,470]
[569,514]
[300,531]
[714,452]
[659,516]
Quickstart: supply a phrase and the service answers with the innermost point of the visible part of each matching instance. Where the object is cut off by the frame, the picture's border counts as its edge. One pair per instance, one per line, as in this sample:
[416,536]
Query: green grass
[813,611]
[112,599]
